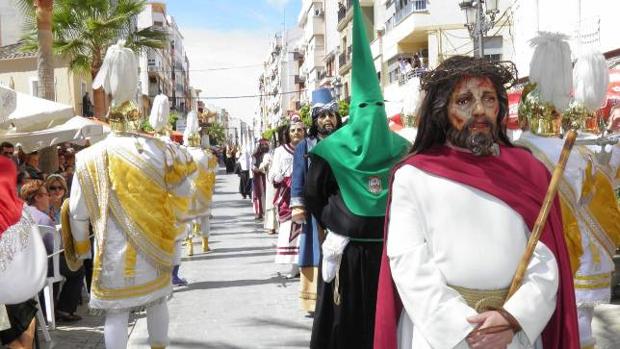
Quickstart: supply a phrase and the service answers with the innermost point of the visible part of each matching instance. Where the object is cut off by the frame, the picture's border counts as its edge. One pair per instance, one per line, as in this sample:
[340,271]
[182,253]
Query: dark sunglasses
[53,188]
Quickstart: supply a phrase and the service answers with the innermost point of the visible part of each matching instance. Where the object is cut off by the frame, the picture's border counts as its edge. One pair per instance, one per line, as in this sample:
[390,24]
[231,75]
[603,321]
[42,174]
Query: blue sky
[229,33]
[229,15]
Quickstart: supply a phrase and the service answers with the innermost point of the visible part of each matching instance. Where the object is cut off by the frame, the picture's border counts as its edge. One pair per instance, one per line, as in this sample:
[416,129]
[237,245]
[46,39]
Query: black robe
[351,323]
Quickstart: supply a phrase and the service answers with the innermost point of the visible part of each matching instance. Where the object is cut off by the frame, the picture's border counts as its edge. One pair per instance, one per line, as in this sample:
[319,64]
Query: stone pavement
[236,299]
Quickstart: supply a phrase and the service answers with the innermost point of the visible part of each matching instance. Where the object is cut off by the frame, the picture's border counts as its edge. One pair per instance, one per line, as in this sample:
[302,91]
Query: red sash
[10,205]
[519,180]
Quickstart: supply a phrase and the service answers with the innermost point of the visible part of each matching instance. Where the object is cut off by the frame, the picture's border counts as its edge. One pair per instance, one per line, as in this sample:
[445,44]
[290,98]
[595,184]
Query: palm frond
[80,64]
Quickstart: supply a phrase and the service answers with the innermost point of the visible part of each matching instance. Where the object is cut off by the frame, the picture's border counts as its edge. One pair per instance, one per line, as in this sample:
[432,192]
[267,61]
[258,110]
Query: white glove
[332,247]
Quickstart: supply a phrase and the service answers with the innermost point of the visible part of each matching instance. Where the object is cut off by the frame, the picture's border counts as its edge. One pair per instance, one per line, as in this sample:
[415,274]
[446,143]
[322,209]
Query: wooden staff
[543,214]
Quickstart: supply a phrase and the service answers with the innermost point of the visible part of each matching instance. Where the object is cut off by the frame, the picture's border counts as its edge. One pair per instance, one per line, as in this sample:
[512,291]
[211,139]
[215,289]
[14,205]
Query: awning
[33,114]
[76,128]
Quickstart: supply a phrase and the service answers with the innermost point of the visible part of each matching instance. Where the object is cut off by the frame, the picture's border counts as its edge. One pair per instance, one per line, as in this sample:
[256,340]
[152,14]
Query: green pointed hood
[362,152]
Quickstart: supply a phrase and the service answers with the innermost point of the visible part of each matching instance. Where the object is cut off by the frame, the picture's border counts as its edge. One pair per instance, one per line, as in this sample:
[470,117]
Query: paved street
[236,298]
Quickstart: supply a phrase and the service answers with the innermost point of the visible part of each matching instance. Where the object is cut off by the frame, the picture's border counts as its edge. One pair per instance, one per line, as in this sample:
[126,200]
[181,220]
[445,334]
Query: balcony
[402,13]
[344,61]
[345,14]
[300,79]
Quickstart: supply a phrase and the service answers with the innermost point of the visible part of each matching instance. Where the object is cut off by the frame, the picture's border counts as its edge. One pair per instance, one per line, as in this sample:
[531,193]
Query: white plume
[551,68]
[591,77]
[118,74]
[159,112]
[8,103]
[191,127]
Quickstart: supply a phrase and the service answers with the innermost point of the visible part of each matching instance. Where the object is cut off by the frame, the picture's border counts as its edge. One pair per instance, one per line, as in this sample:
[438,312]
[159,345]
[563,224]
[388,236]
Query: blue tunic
[309,244]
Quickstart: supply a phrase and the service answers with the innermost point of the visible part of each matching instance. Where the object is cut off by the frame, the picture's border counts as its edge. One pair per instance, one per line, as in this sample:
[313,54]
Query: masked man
[590,211]
[130,187]
[461,209]
[325,120]
[346,190]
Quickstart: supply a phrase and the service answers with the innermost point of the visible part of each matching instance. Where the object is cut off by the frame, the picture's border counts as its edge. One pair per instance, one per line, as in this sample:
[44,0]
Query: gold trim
[482,300]
[72,248]
[130,261]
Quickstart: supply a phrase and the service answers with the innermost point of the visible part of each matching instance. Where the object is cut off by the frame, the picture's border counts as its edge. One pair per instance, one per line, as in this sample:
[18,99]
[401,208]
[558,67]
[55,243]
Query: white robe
[445,233]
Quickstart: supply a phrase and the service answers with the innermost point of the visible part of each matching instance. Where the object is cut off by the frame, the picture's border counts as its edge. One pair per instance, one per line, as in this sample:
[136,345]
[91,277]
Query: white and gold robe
[204,184]
[445,233]
[132,189]
[591,218]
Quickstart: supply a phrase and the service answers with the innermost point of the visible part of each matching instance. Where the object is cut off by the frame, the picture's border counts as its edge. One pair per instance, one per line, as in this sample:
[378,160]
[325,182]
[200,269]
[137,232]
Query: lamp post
[479,20]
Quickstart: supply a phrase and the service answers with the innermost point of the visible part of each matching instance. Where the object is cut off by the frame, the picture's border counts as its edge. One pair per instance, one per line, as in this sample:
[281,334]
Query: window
[34,87]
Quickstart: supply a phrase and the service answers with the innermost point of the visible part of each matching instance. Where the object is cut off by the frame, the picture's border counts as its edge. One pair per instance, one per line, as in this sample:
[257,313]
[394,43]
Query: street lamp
[478,24]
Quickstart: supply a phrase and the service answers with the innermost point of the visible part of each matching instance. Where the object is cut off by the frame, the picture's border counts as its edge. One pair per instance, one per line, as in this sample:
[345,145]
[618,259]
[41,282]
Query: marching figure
[204,182]
[346,190]
[129,187]
[287,249]
[590,213]
[325,120]
[461,208]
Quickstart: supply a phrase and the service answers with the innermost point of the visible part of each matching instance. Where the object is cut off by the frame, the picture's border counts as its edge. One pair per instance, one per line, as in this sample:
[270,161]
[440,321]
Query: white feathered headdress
[118,74]
[551,68]
[192,127]
[159,113]
[591,77]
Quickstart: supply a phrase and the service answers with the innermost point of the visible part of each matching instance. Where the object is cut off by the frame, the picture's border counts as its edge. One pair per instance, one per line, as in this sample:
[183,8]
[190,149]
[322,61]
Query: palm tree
[84,29]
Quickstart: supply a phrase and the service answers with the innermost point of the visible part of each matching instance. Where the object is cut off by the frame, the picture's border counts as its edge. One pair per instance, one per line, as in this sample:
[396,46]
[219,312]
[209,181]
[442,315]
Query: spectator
[7,150]
[35,193]
[57,189]
[32,166]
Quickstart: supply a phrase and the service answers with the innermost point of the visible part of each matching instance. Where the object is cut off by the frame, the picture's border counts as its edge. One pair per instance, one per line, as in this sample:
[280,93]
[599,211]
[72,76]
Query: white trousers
[116,324]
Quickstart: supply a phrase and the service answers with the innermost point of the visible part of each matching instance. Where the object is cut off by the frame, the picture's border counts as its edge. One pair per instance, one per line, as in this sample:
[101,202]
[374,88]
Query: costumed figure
[130,187]
[23,260]
[244,163]
[204,182]
[158,119]
[287,249]
[346,190]
[229,159]
[325,120]
[258,179]
[590,211]
[461,208]
[270,222]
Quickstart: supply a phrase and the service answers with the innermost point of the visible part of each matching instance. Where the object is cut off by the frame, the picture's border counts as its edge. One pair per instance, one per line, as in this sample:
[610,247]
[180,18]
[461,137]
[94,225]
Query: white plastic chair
[48,290]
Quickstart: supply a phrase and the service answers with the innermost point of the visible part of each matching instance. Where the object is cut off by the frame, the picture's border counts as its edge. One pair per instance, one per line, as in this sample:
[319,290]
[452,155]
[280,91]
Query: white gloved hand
[332,247]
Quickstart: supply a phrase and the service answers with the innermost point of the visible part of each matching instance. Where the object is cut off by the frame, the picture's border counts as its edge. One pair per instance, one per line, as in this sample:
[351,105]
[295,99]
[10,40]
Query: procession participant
[204,182]
[244,162]
[270,222]
[325,120]
[23,261]
[127,186]
[258,180]
[287,248]
[346,190]
[158,119]
[590,212]
[432,293]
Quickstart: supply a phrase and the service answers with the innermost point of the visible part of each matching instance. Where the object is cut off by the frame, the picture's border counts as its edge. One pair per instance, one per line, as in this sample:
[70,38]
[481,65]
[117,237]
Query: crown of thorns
[454,68]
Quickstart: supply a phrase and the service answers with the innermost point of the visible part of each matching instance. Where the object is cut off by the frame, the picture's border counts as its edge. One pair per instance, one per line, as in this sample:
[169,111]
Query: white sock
[157,324]
[115,330]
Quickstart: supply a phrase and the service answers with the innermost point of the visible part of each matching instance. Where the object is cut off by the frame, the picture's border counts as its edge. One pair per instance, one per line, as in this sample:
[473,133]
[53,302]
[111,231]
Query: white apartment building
[181,98]
[280,85]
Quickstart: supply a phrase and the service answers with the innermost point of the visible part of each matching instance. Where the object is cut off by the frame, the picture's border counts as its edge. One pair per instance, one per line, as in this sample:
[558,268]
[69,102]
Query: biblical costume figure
[204,183]
[346,190]
[325,120]
[130,187]
[590,213]
[258,179]
[23,261]
[270,222]
[460,211]
[287,248]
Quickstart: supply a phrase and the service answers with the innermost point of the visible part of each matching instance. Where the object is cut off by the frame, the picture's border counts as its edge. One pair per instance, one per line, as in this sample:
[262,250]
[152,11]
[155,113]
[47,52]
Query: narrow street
[235,299]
